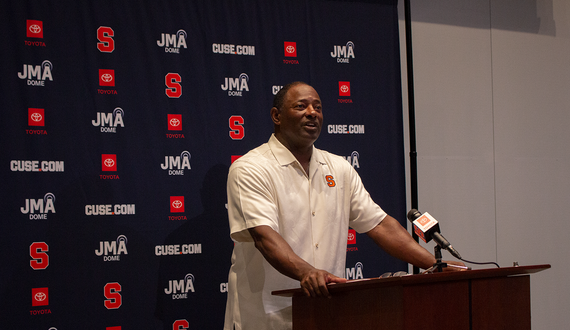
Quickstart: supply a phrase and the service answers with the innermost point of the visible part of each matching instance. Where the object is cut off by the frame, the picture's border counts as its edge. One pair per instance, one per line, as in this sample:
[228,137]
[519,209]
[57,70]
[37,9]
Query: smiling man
[290,206]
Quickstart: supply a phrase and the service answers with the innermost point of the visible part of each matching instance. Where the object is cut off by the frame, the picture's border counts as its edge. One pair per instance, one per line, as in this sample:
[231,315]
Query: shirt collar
[285,157]
[282,154]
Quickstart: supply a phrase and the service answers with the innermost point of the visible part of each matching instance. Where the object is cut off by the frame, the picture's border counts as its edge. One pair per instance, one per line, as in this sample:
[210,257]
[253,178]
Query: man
[290,206]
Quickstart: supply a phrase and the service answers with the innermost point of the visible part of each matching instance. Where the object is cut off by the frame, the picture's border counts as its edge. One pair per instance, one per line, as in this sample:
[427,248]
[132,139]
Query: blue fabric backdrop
[119,122]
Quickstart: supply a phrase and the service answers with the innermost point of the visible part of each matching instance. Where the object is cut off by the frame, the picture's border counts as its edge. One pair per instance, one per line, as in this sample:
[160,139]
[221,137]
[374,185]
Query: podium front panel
[501,303]
[443,305]
[376,308]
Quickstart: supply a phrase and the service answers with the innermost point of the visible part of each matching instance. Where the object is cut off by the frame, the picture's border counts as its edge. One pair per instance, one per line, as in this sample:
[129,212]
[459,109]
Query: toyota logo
[36,116]
[40,296]
[290,49]
[106,77]
[177,204]
[174,122]
[35,28]
[109,162]
[344,88]
[350,236]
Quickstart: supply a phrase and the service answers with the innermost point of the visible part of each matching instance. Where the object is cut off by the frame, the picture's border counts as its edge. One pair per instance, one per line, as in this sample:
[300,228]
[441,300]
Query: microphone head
[424,224]
[413,215]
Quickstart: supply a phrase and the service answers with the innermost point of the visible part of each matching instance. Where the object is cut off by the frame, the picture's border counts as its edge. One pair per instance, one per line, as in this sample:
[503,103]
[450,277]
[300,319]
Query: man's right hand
[314,283]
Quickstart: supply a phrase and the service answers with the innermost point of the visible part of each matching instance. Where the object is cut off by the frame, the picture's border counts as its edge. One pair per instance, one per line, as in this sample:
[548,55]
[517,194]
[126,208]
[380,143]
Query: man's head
[297,115]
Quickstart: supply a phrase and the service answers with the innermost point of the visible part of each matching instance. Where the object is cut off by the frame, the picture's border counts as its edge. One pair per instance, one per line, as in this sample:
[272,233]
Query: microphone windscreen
[413,214]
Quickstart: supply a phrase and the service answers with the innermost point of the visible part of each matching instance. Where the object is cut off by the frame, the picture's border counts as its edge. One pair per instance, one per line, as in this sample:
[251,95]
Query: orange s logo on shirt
[330,181]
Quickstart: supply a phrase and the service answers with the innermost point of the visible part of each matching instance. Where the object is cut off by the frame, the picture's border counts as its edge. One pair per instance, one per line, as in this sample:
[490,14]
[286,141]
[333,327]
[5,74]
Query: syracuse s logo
[330,181]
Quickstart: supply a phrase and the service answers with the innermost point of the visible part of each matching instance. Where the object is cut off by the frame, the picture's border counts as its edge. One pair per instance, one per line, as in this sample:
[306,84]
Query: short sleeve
[251,200]
[365,214]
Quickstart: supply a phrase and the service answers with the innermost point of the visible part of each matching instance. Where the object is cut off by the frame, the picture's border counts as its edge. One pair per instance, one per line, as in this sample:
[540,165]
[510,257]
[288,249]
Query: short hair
[279,98]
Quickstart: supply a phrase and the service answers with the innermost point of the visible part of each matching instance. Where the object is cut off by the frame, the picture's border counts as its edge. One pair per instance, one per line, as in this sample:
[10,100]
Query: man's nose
[311,111]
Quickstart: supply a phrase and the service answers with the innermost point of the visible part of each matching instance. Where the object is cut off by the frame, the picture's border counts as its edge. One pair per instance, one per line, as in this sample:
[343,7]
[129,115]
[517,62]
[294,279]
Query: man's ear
[275,116]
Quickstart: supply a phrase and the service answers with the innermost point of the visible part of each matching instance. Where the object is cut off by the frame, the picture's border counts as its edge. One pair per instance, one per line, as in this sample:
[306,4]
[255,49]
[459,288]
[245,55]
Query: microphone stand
[439,265]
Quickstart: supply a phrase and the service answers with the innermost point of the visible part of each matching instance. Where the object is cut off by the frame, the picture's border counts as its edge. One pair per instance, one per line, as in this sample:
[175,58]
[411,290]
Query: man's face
[301,118]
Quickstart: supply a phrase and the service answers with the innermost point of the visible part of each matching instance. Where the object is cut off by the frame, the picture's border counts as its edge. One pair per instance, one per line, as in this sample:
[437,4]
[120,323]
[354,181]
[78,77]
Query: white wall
[492,94]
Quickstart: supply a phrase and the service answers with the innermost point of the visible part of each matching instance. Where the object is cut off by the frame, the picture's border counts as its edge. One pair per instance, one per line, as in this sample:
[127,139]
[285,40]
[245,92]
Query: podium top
[364,284]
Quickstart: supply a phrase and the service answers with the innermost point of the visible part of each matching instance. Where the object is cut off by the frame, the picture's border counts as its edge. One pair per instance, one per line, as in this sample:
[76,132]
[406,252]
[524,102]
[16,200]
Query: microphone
[427,228]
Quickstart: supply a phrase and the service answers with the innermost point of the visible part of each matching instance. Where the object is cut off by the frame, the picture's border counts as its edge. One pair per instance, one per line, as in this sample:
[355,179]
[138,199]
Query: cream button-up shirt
[313,213]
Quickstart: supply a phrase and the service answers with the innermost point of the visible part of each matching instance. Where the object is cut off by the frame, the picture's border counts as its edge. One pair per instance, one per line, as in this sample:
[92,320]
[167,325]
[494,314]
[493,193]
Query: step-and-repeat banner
[119,121]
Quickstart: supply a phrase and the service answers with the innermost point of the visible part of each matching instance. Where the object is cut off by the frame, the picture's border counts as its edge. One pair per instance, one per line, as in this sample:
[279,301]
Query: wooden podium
[491,299]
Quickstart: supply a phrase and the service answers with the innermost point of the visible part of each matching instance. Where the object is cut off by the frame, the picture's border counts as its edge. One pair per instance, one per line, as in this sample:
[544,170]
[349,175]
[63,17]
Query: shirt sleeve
[365,214]
[251,201]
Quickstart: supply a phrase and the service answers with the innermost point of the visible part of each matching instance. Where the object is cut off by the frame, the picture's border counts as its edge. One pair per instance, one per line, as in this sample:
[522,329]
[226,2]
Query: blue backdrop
[119,122]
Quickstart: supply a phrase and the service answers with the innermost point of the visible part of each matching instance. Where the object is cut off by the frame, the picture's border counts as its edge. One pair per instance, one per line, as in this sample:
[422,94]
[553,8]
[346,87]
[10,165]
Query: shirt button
[313,213]
[317,245]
